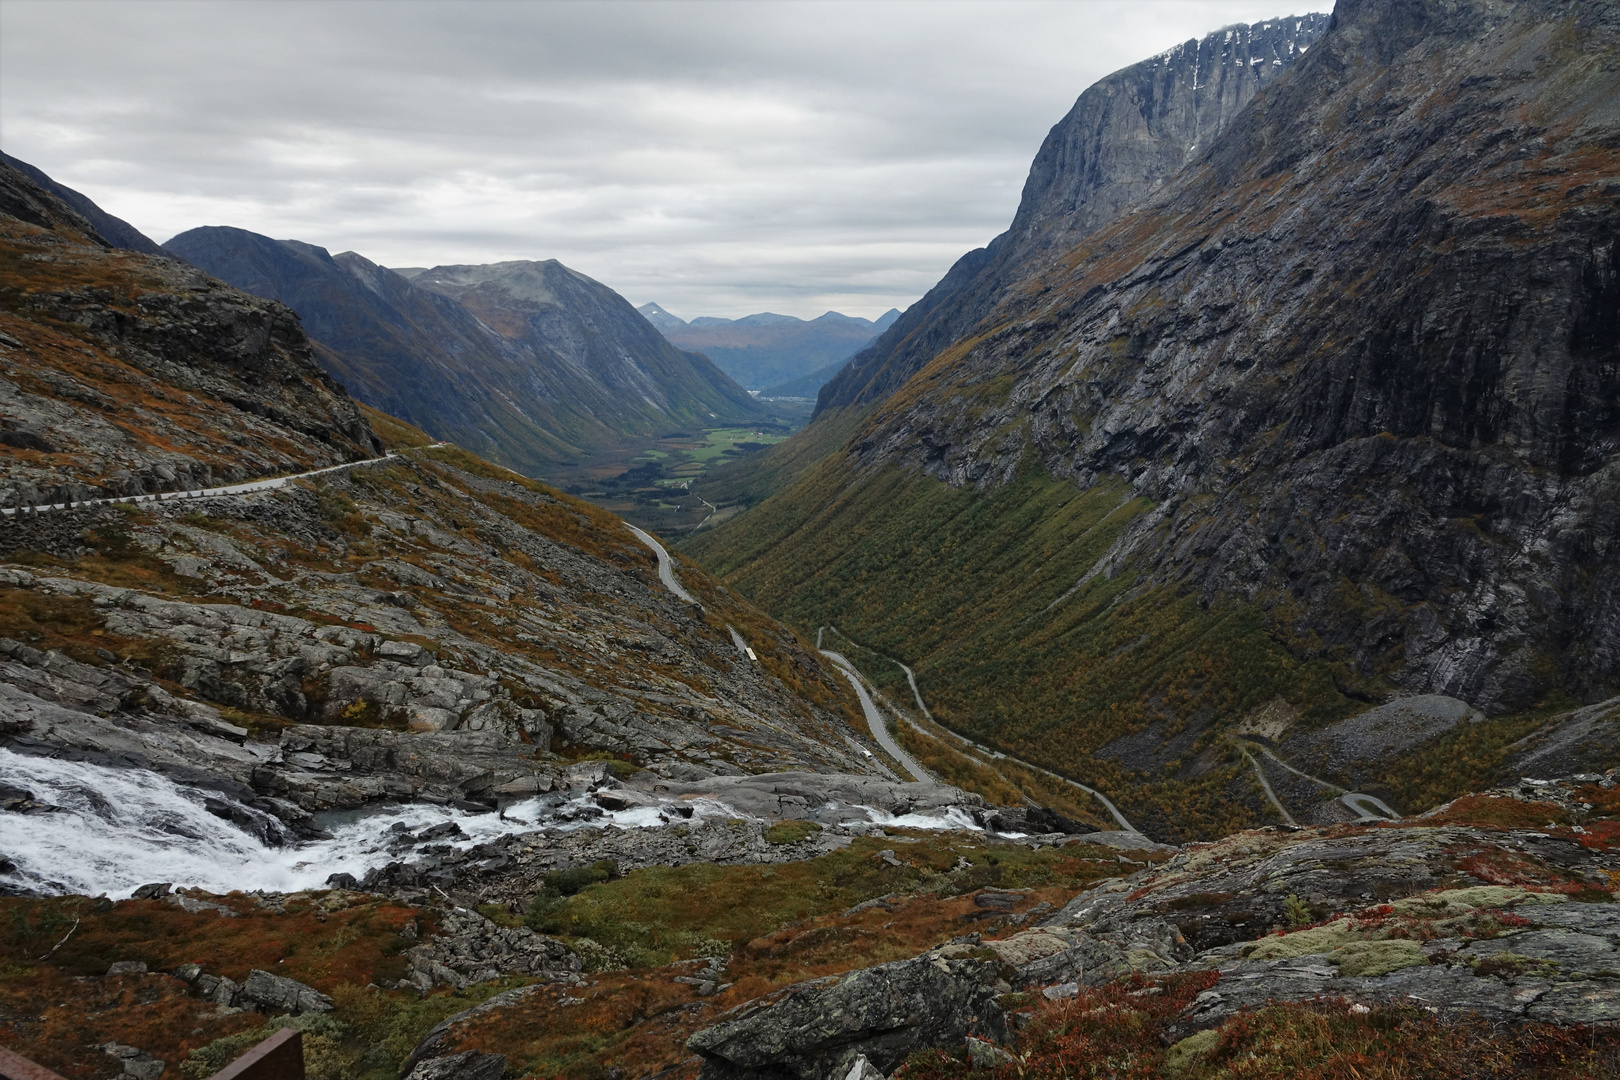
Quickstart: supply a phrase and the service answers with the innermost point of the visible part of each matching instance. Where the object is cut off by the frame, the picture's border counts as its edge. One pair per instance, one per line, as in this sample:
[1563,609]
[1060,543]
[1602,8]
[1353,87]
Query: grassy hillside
[977,591]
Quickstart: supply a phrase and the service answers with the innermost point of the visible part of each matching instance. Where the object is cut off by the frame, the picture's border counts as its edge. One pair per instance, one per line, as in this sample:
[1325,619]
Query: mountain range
[779,355]
[530,363]
[1260,488]
[1324,414]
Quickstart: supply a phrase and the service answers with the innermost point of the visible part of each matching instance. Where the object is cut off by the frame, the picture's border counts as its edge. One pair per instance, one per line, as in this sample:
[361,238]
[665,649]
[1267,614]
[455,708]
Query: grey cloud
[721,158]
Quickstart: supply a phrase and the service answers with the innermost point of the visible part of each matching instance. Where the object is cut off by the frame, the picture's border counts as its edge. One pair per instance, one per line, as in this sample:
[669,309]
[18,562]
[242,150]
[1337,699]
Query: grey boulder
[266,992]
[467,1065]
[820,1029]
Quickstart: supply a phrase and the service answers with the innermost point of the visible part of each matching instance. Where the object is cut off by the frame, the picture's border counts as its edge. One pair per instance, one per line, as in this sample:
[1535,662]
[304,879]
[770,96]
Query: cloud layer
[719,158]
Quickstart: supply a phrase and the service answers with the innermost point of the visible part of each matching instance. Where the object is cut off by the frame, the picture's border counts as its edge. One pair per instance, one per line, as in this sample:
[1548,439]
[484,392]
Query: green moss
[791,832]
[1361,959]
[661,913]
[1453,901]
[1316,940]
[1189,1051]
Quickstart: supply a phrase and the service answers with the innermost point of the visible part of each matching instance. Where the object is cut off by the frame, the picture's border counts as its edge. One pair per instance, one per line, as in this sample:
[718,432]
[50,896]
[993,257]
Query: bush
[791,832]
[570,881]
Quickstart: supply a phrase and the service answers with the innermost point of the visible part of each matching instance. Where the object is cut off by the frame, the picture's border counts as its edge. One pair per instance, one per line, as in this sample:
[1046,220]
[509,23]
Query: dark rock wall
[1362,352]
[115,231]
[1121,141]
[127,373]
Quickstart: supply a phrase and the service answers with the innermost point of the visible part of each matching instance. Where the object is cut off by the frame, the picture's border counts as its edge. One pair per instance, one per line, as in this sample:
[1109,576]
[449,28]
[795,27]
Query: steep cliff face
[115,230]
[1334,414]
[553,368]
[1362,353]
[1126,135]
[126,373]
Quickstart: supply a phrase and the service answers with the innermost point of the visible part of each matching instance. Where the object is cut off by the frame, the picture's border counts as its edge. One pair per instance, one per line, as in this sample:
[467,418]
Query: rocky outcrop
[1125,137]
[818,1029]
[467,1065]
[166,381]
[470,949]
[114,230]
[1413,916]
[261,992]
[528,364]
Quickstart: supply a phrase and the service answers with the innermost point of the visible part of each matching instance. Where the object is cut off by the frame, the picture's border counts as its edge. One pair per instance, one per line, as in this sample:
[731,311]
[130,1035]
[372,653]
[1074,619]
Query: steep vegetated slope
[531,364]
[126,373]
[765,350]
[1331,416]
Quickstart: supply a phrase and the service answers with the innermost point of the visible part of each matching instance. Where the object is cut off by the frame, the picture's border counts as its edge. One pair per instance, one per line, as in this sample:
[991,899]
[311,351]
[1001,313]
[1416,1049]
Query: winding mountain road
[1265,785]
[666,565]
[1356,801]
[874,719]
[911,678]
[268,484]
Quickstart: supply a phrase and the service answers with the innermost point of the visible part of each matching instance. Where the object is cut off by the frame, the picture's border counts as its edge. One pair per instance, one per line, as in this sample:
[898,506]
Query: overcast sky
[719,158]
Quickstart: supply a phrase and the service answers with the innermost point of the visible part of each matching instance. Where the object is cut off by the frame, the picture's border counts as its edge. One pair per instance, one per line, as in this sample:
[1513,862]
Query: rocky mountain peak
[528,361]
[1131,131]
[523,281]
[1123,139]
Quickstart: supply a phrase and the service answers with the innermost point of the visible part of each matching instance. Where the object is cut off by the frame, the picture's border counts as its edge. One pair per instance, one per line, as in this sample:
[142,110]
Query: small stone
[152,891]
[987,1055]
[127,967]
[405,651]
[863,1070]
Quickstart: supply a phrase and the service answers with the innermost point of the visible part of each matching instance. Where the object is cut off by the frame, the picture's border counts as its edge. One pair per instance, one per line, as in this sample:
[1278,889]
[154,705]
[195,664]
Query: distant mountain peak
[659,317]
[766,350]
[531,362]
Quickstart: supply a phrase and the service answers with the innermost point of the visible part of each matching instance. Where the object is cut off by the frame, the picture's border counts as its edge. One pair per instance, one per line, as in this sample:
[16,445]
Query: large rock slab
[819,1029]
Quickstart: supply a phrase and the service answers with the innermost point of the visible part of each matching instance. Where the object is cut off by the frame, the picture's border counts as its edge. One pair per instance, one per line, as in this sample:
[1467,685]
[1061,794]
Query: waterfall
[104,830]
[98,830]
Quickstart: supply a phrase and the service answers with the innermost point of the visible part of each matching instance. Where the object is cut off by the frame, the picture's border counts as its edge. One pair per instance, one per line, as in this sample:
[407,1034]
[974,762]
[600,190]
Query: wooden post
[280,1057]
[17,1067]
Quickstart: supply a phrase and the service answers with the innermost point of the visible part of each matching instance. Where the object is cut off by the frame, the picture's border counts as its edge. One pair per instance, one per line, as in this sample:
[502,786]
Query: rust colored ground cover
[635,1023]
[59,1006]
[1127,1031]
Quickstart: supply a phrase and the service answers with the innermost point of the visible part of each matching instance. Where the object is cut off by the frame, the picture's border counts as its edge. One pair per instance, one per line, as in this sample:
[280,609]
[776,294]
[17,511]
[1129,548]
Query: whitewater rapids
[107,831]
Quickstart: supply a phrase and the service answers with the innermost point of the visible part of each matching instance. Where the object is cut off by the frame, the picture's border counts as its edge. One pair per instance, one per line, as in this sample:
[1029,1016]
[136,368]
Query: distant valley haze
[721,160]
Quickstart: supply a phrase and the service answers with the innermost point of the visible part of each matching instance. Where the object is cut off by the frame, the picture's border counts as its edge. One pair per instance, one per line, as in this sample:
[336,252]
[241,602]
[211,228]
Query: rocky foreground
[1480,939]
